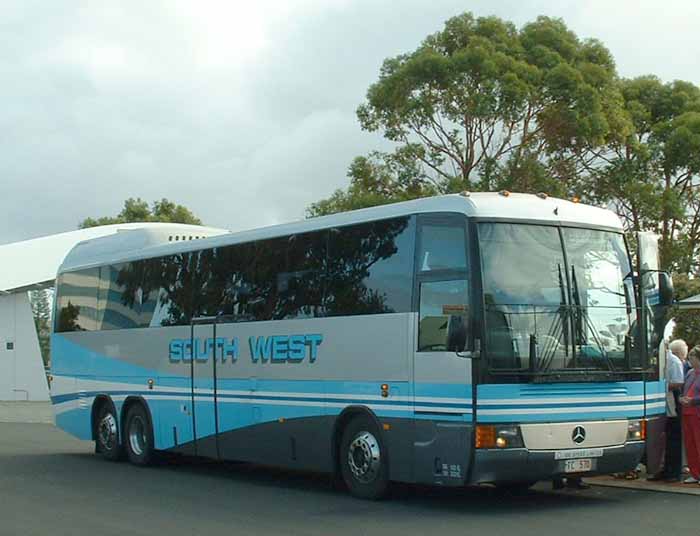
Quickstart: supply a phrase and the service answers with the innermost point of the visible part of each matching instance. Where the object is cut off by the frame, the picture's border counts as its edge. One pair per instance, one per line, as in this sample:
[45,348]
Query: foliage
[687,321]
[651,177]
[41,309]
[482,105]
[137,210]
[375,180]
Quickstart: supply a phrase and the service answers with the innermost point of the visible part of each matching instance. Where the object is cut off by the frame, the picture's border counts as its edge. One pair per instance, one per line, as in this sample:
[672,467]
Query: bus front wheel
[138,436]
[363,461]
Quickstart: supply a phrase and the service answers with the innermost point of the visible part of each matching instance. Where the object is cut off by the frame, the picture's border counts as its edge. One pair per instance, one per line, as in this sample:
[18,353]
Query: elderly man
[675,376]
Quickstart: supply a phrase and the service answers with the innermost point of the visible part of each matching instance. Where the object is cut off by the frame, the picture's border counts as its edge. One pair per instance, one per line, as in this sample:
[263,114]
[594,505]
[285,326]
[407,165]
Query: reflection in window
[604,311]
[442,245]
[77,301]
[444,307]
[367,268]
[370,268]
[525,295]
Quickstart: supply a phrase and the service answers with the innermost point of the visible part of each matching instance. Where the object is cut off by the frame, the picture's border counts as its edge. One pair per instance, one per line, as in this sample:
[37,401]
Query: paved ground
[27,412]
[53,485]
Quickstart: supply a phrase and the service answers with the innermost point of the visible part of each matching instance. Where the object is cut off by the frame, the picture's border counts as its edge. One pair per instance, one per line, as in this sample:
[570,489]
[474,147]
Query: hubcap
[107,431]
[364,457]
[137,435]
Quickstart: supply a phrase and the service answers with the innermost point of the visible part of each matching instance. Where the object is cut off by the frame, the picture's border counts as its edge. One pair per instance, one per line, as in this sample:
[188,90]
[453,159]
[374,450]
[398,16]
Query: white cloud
[243,111]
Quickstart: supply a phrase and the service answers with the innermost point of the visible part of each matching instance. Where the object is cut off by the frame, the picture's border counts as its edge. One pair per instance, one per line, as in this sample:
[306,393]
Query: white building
[32,264]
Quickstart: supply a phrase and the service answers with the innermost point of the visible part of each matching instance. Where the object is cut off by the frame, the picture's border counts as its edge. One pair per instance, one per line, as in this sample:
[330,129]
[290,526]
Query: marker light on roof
[542,195]
[504,193]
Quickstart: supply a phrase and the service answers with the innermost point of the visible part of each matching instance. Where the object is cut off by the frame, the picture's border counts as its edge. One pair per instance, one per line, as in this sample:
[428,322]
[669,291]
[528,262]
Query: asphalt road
[51,484]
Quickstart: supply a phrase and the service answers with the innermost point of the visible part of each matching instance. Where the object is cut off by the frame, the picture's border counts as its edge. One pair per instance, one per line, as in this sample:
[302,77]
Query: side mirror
[665,289]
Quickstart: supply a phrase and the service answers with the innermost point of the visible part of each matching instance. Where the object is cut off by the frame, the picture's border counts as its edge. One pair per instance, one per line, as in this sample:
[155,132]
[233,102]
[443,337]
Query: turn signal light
[637,430]
[485,437]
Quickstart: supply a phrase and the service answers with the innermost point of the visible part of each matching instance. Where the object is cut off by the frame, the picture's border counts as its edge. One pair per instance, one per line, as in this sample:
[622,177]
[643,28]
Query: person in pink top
[690,402]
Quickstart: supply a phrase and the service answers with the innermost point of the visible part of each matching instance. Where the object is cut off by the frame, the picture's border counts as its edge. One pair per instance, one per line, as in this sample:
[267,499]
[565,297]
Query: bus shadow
[481,500]
[475,500]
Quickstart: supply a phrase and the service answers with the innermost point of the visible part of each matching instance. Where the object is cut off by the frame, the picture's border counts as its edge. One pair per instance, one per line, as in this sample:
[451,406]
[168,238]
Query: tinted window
[443,241]
[169,285]
[265,280]
[76,308]
[370,268]
[301,285]
[118,307]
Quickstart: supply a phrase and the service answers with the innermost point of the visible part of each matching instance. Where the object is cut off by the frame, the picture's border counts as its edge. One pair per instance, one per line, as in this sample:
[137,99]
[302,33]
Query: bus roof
[134,245]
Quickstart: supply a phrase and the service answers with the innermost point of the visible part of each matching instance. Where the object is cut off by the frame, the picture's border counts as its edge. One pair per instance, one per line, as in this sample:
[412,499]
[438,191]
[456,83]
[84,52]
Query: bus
[465,339]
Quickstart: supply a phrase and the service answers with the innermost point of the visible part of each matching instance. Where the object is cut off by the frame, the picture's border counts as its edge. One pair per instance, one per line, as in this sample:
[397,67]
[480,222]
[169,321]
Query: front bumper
[523,465]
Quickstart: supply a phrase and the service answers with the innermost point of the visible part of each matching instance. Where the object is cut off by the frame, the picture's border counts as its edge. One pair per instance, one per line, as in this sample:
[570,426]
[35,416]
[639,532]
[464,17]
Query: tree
[687,321]
[40,302]
[651,176]
[482,105]
[137,210]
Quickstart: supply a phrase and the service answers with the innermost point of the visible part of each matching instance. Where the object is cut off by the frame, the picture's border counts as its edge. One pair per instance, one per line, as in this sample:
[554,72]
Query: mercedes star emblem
[579,435]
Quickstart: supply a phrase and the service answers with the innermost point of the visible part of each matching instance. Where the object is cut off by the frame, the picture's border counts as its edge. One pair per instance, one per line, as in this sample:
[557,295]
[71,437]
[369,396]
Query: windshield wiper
[559,326]
[582,315]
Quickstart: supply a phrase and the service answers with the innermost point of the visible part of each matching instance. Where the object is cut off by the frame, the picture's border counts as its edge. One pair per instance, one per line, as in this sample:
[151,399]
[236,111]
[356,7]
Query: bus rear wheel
[107,442]
[363,461]
[138,436]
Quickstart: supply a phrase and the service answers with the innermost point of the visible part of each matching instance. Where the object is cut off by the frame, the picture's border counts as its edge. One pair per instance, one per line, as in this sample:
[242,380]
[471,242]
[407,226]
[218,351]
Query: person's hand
[684,400]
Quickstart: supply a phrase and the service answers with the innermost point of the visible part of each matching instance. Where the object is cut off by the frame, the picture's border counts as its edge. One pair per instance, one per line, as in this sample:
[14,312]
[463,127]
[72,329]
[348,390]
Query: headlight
[498,437]
[636,430]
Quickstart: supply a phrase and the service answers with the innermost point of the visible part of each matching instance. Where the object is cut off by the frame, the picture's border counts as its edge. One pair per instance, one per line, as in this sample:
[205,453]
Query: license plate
[581,465]
[570,454]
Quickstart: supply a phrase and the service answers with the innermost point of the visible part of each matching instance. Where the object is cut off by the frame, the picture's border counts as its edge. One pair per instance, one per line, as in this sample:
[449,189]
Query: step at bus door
[205,411]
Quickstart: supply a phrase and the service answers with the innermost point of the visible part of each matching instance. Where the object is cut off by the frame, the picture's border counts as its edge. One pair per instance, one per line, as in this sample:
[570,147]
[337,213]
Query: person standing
[673,458]
[690,403]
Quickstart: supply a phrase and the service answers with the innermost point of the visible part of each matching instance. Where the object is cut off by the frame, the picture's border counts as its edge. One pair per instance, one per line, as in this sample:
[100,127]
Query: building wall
[22,374]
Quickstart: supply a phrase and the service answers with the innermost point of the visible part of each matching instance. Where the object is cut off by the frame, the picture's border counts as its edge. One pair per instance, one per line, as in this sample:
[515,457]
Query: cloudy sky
[244,111]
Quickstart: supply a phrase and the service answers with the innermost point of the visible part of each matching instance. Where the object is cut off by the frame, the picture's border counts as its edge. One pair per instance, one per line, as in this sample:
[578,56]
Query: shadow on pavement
[215,476]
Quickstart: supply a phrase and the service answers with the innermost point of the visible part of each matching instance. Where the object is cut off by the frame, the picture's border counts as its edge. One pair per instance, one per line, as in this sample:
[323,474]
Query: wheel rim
[364,457]
[107,431]
[137,435]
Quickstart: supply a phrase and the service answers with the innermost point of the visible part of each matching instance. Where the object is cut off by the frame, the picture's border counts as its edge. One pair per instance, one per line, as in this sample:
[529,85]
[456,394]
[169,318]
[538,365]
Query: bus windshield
[557,299]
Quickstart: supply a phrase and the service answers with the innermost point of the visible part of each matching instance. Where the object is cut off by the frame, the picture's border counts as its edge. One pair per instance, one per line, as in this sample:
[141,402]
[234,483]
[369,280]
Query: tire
[107,442]
[138,436]
[363,459]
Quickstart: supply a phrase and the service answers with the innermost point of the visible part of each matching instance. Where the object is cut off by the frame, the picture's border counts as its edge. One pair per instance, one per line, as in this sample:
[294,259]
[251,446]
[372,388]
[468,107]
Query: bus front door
[205,421]
[442,383]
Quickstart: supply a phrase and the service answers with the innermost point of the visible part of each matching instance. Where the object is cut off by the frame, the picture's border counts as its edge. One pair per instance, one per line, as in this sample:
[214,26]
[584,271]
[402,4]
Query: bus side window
[444,316]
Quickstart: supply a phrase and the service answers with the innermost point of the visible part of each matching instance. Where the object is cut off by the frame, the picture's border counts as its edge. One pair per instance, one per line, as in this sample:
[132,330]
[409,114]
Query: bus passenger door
[203,384]
[442,374]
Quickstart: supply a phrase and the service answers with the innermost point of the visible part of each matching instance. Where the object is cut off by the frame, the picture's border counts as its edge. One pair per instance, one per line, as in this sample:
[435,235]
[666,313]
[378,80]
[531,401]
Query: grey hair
[679,348]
